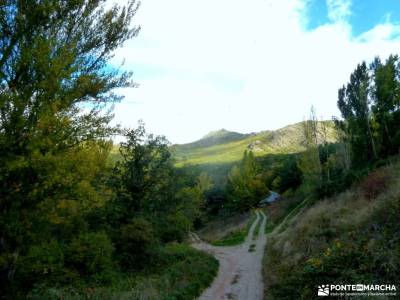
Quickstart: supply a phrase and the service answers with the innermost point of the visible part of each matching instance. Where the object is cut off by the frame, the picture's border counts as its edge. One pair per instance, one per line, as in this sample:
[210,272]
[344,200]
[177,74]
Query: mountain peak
[217,133]
[215,137]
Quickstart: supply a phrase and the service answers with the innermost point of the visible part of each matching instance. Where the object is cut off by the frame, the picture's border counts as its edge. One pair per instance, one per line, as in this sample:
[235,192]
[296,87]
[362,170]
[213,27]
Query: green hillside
[223,147]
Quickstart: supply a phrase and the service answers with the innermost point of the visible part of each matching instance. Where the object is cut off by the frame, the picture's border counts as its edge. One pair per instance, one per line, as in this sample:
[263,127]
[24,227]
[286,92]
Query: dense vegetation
[352,236]
[72,225]
[79,221]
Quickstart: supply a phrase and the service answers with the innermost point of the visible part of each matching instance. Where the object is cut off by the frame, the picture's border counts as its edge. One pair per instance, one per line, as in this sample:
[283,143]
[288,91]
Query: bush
[375,183]
[44,262]
[91,255]
[185,272]
[175,227]
[189,271]
[134,243]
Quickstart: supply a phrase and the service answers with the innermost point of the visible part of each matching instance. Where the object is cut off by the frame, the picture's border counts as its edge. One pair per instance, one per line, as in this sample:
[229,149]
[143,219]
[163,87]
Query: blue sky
[365,14]
[247,66]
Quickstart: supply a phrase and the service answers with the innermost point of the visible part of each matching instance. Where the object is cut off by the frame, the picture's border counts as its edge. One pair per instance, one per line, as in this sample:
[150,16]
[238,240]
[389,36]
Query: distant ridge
[216,137]
[223,146]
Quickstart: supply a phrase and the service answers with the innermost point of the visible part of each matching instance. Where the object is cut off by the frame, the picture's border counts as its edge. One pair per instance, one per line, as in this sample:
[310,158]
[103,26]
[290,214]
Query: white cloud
[241,65]
[339,10]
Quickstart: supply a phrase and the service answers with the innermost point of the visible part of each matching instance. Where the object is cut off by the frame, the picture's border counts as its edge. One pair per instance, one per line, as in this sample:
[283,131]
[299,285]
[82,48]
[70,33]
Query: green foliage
[233,238]
[183,274]
[143,178]
[370,107]
[44,262]
[134,242]
[354,105]
[285,176]
[91,254]
[69,219]
[191,272]
[385,96]
[55,84]
[245,186]
[349,238]
[175,227]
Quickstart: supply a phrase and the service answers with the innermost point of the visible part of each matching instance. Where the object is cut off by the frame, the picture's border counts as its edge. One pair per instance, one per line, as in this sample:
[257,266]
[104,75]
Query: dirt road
[239,275]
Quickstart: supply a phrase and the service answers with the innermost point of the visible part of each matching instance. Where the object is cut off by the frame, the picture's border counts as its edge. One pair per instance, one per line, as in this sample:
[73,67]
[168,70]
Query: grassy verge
[184,274]
[221,226]
[257,228]
[281,212]
[235,237]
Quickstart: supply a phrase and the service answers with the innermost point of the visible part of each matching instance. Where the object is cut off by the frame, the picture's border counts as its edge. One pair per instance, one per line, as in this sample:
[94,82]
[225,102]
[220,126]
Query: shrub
[44,262]
[91,255]
[134,242]
[375,183]
[175,227]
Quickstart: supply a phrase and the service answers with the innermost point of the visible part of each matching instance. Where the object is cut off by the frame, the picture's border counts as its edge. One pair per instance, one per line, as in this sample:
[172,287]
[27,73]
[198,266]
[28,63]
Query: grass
[257,228]
[348,238]
[235,237]
[185,273]
[280,212]
[221,226]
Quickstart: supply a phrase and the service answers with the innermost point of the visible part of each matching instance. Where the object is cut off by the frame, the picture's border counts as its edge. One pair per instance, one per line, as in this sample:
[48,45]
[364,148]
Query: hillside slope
[226,147]
[350,238]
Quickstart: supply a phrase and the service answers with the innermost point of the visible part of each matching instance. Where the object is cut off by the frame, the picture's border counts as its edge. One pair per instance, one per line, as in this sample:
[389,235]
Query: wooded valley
[82,217]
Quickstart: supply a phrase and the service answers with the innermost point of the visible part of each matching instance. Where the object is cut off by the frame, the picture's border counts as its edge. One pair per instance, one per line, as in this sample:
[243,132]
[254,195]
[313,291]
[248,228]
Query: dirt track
[239,275]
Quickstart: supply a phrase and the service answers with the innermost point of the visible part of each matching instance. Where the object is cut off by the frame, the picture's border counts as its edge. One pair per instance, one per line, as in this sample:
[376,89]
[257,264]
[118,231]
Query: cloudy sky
[247,66]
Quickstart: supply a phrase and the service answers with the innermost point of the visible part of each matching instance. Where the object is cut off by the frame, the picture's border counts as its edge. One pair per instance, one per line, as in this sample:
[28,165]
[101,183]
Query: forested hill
[224,146]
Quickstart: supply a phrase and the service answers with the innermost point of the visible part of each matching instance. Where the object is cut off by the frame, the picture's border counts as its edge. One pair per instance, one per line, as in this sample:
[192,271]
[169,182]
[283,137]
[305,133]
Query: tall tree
[354,104]
[143,178]
[385,94]
[245,186]
[309,161]
[55,81]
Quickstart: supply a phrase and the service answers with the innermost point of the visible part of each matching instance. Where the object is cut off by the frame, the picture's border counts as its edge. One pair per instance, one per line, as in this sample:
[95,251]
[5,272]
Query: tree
[354,104]
[55,82]
[287,175]
[144,177]
[147,186]
[309,161]
[245,186]
[385,93]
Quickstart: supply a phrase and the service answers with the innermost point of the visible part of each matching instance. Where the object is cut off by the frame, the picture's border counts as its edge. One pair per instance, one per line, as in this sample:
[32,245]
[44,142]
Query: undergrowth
[183,273]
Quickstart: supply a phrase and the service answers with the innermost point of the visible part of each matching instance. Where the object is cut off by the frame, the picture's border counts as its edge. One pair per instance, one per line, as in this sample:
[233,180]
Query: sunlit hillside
[226,147]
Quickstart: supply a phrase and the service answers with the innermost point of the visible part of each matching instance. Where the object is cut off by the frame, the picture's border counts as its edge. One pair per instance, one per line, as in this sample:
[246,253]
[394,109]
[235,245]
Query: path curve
[240,270]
